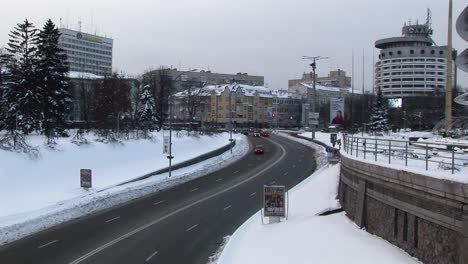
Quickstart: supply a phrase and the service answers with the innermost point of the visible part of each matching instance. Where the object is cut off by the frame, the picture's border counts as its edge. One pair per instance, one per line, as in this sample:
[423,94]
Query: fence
[430,155]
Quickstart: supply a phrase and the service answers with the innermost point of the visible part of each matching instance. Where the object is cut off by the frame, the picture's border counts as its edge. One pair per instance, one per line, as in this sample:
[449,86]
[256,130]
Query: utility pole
[362,96]
[314,59]
[448,85]
[351,118]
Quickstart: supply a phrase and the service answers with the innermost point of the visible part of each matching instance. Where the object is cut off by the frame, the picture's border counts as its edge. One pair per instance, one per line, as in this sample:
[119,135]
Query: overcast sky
[260,37]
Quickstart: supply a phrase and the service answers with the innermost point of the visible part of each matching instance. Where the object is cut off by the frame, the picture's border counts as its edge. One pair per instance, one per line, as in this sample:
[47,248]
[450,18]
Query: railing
[430,155]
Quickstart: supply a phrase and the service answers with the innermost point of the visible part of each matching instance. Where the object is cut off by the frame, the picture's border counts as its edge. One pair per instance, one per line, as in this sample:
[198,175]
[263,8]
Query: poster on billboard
[85,178]
[337,110]
[395,102]
[274,200]
[165,144]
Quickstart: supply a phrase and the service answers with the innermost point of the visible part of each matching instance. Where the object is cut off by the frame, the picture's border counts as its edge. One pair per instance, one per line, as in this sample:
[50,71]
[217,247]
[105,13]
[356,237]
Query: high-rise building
[86,52]
[411,65]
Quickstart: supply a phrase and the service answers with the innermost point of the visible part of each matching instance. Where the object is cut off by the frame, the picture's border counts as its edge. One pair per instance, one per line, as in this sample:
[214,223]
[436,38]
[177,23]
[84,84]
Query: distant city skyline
[259,37]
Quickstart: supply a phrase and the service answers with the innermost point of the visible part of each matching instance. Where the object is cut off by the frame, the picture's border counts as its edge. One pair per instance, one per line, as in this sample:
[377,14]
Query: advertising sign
[85,176]
[395,102]
[337,110]
[274,200]
[165,144]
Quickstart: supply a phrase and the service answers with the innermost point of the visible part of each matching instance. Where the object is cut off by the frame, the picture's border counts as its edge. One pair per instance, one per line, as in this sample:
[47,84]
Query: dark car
[245,132]
[265,134]
[259,149]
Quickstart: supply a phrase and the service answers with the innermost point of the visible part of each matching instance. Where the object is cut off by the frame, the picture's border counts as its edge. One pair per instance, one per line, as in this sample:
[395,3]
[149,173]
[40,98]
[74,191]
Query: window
[423,51]
[399,52]
[411,51]
[441,52]
[432,52]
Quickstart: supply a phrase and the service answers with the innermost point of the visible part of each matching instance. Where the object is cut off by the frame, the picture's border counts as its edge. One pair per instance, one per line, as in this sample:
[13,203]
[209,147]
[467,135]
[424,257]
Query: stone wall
[426,217]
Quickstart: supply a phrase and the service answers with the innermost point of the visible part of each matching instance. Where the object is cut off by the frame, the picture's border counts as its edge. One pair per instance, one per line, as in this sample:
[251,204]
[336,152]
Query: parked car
[245,132]
[265,134]
[259,149]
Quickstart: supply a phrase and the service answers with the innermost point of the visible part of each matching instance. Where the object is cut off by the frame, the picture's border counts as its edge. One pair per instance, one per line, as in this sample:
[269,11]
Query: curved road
[185,224]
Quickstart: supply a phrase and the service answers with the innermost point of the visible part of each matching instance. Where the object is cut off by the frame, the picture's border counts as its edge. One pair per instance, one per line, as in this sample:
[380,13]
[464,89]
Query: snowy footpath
[307,237]
[37,194]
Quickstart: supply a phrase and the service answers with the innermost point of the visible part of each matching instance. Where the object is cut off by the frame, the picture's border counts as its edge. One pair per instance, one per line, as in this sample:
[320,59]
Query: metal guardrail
[431,155]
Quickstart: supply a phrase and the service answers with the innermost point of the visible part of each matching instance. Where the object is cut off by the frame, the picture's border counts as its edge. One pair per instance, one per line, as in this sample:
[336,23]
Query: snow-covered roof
[333,88]
[83,75]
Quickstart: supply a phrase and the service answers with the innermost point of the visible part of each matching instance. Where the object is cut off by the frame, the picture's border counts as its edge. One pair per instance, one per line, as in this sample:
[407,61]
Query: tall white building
[411,65]
[86,52]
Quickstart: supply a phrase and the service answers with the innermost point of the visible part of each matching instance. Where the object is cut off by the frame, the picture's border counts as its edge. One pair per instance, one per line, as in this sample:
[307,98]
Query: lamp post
[170,157]
[230,117]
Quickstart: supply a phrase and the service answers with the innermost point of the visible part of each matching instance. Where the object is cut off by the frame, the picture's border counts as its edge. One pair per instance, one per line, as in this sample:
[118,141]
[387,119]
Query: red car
[265,134]
[259,149]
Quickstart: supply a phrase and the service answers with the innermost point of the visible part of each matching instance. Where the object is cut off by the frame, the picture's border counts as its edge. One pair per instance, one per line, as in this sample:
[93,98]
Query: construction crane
[314,60]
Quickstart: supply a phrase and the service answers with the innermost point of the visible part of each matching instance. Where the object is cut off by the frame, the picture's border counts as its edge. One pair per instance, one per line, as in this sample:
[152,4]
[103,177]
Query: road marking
[218,180]
[286,173]
[236,172]
[160,202]
[294,166]
[192,227]
[252,194]
[194,190]
[47,244]
[110,220]
[151,256]
[227,207]
[181,209]
[273,182]
[300,160]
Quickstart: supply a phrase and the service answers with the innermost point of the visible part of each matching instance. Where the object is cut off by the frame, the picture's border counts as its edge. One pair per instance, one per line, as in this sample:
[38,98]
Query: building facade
[87,53]
[411,65]
[336,78]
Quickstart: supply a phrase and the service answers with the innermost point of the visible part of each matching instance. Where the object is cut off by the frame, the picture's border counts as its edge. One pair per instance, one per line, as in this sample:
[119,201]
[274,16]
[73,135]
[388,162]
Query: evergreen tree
[147,117]
[379,114]
[21,102]
[54,83]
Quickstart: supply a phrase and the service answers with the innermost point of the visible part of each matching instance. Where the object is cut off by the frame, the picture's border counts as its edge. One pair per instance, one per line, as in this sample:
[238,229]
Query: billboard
[337,110]
[395,102]
[274,200]
[85,178]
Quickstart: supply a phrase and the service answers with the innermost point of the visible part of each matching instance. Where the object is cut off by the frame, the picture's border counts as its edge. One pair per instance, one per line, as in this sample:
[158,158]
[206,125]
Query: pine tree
[21,102]
[147,117]
[51,70]
[379,114]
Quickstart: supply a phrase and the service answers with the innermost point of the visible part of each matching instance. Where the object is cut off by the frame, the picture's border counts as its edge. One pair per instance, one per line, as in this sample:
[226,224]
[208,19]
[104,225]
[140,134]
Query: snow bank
[45,193]
[308,238]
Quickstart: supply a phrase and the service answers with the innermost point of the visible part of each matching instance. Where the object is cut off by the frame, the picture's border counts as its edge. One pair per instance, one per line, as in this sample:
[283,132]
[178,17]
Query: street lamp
[230,116]
[170,157]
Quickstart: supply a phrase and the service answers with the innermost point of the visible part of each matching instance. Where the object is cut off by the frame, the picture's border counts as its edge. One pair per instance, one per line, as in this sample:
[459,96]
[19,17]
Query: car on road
[259,149]
[265,134]
[256,133]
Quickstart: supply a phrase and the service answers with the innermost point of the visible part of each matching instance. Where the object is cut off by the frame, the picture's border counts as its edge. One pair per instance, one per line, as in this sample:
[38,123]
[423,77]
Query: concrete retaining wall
[426,217]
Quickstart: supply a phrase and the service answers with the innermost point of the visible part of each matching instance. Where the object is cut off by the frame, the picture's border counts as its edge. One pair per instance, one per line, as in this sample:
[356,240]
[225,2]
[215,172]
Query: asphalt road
[185,224]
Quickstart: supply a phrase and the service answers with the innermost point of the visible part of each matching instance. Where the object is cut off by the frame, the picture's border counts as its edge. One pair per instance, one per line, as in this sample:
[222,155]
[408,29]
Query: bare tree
[162,84]
[194,96]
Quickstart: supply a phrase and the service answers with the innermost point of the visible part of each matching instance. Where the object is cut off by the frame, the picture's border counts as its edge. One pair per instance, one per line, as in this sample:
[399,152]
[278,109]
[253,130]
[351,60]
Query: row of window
[88,61]
[87,55]
[87,43]
[408,92]
[410,73]
[417,66]
[414,86]
[410,60]
[87,49]
[411,80]
[412,51]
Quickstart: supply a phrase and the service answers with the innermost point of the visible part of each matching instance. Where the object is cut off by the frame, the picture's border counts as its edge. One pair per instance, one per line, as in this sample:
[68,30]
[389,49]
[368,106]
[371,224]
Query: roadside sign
[313,122]
[314,115]
[86,178]
[333,138]
[165,144]
[274,200]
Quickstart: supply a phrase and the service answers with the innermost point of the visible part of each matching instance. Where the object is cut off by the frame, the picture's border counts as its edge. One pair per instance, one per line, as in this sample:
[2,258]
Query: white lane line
[294,166]
[47,244]
[190,228]
[235,172]
[273,182]
[195,189]
[227,207]
[160,202]
[300,160]
[218,180]
[151,256]
[110,220]
[286,173]
[181,209]
[252,194]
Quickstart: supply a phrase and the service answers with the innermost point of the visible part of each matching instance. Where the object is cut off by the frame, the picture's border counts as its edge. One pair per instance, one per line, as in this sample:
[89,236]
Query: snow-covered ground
[41,193]
[308,238]
[439,165]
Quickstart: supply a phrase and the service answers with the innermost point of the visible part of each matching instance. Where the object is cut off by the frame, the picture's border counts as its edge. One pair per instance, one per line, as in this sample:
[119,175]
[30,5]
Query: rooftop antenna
[79,25]
[60,22]
[429,18]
